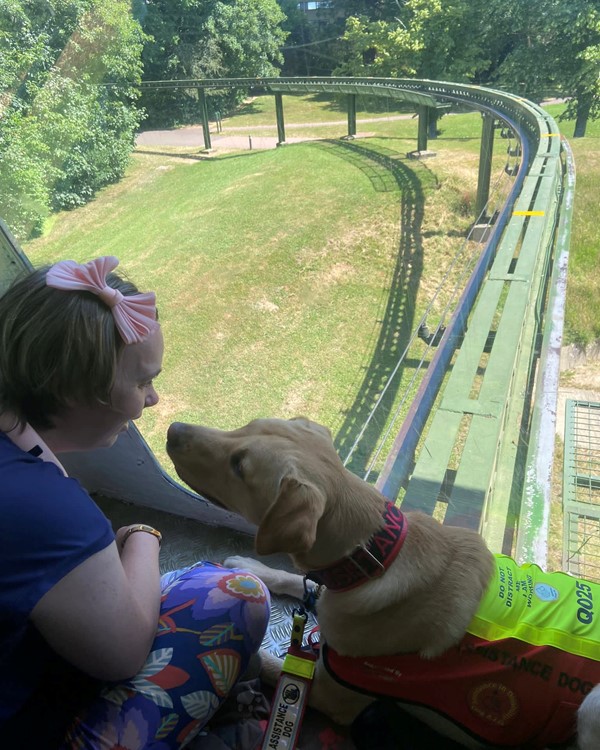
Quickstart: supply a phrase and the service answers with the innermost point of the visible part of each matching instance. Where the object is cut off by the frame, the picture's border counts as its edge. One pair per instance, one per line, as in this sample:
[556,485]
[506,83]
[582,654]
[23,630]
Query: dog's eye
[236,464]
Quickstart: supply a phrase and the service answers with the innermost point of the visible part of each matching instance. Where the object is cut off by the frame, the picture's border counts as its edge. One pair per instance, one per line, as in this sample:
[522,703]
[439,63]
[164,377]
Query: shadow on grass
[149,151]
[246,108]
[387,173]
[200,156]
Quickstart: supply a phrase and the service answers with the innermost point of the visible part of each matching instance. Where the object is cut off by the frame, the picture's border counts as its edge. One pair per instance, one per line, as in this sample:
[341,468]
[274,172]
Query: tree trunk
[584,104]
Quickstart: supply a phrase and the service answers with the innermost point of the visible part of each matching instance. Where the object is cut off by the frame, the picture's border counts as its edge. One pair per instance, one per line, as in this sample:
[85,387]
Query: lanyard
[291,693]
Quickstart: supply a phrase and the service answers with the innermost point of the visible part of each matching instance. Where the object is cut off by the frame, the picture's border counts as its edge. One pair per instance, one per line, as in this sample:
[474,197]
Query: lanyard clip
[291,693]
[299,620]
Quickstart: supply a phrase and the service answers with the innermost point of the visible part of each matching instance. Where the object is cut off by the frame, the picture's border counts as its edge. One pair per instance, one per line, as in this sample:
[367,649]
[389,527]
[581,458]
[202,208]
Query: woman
[95,651]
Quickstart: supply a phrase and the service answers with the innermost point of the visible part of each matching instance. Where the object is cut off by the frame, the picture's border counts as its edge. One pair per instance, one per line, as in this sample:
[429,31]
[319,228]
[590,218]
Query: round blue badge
[545,592]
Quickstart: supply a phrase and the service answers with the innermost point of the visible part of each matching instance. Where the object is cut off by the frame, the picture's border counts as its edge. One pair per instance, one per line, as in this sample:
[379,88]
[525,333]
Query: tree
[558,51]
[426,38]
[585,100]
[553,45]
[378,48]
[450,39]
[302,41]
[68,72]
[207,39]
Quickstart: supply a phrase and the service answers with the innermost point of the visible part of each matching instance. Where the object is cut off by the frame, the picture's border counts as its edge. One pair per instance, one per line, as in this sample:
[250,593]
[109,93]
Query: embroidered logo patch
[494,702]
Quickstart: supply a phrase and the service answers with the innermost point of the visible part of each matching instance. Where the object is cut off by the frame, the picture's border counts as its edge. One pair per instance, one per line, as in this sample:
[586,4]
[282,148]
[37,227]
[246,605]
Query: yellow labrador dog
[409,608]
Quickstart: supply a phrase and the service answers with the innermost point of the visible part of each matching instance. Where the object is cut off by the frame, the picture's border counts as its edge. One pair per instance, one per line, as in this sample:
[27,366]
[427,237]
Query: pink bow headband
[134,315]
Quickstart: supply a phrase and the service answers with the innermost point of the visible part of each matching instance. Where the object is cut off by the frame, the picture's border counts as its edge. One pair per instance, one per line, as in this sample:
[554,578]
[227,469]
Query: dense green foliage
[560,49]
[429,39]
[207,39]
[64,133]
[533,49]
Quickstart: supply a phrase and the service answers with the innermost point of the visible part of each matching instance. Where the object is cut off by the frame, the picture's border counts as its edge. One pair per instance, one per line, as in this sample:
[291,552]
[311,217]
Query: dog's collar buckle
[311,595]
[367,561]
[379,569]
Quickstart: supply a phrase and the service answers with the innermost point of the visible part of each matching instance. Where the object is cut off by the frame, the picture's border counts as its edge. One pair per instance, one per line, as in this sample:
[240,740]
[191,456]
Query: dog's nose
[176,434]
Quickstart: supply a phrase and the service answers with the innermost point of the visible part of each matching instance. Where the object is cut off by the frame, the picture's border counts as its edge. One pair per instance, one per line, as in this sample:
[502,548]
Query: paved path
[193,135]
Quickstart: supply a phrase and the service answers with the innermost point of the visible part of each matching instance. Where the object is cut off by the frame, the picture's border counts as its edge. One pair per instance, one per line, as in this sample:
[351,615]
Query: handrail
[427,92]
[532,536]
[483,488]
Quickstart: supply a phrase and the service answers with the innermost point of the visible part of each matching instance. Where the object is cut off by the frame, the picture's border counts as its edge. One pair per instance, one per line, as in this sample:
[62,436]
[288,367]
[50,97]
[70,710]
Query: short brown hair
[56,348]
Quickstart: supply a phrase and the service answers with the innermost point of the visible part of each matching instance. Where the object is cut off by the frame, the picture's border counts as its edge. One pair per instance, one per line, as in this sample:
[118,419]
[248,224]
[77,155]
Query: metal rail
[471,466]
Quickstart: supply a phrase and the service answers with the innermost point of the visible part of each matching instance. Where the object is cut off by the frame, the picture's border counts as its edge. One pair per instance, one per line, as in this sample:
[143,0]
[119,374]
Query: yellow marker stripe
[529,213]
[550,135]
[298,666]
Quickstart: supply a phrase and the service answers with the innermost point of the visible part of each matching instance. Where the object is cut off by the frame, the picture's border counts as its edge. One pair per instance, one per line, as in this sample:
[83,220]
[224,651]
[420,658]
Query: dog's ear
[290,524]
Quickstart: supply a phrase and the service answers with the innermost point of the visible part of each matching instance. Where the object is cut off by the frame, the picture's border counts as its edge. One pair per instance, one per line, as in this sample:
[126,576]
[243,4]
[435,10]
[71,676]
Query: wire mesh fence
[581,489]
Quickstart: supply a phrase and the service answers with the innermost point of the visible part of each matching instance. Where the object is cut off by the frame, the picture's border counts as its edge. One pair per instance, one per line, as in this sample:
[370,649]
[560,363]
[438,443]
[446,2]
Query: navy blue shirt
[48,526]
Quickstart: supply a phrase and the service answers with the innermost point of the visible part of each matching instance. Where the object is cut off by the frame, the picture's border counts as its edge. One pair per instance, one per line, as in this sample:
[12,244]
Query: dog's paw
[268,576]
[246,563]
[277,581]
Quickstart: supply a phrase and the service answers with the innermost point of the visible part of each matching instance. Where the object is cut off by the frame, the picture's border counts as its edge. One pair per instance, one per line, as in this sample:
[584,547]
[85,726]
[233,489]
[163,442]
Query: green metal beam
[486,152]
[423,113]
[280,120]
[204,118]
[351,115]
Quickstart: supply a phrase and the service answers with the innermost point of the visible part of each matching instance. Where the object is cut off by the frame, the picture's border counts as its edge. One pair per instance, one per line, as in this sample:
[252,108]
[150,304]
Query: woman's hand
[103,615]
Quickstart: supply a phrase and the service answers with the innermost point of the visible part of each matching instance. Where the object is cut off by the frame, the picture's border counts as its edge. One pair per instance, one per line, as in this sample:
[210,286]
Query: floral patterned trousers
[211,621]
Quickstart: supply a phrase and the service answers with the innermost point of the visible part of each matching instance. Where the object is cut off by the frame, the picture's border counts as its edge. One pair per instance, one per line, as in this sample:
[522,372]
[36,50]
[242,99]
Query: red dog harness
[529,658]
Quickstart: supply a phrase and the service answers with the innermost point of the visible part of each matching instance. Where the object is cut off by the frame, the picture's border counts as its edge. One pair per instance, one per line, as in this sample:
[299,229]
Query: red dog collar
[366,561]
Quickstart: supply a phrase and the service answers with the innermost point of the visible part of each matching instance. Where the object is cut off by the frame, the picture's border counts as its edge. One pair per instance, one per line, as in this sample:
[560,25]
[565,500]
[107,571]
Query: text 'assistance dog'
[487,652]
